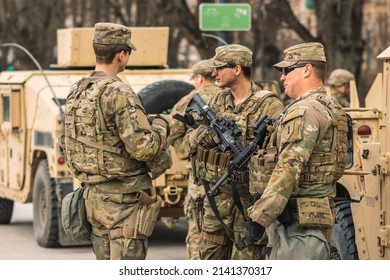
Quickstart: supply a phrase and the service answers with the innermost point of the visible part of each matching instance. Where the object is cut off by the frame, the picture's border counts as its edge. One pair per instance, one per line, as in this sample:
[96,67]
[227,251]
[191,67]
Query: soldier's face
[224,76]
[343,89]
[292,82]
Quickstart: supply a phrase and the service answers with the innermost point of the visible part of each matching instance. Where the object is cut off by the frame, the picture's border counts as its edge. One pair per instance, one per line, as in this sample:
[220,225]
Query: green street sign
[225,17]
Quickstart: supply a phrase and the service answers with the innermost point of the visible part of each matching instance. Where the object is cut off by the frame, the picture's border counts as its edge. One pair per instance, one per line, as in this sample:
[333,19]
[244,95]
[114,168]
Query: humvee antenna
[40,69]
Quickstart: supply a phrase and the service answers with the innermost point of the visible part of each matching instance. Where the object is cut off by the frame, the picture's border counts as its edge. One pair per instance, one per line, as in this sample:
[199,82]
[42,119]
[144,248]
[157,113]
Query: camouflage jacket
[308,155]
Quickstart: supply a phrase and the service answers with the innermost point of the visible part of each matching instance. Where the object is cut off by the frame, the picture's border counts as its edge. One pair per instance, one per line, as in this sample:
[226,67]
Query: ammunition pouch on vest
[94,153]
[211,165]
[261,165]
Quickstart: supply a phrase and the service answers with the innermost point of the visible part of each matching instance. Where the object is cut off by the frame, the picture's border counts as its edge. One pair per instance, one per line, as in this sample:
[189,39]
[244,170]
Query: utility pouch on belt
[148,213]
[314,212]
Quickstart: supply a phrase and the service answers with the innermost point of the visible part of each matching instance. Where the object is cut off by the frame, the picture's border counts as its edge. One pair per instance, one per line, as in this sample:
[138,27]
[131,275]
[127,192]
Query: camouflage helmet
[312,51]
[339,77]
[233,54]
[112,34]
[202,67]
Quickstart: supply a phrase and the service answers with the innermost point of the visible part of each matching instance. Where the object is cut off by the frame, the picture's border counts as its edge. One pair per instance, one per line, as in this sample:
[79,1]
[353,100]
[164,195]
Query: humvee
[32,168]
[362,203]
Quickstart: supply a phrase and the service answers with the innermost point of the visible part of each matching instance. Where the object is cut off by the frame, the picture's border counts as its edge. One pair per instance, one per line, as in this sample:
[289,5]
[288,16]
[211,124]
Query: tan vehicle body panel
[367,183]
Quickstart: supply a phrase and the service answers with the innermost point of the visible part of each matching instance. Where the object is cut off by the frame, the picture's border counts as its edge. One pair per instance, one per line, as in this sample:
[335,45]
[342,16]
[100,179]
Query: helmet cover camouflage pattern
[233,54]
[312,51]
[202,67]
[339,77]
[112,34]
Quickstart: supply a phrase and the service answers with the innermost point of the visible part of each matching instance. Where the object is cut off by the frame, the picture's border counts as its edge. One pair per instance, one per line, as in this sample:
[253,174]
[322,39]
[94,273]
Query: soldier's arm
[178,128]
[142,141]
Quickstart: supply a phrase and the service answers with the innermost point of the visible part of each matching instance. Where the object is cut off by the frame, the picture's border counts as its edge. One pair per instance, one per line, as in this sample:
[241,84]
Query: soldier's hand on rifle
[253,231]
[206,137]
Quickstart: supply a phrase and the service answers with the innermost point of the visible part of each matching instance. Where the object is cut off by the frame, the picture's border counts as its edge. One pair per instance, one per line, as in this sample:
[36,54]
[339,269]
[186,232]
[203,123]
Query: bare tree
[33,25]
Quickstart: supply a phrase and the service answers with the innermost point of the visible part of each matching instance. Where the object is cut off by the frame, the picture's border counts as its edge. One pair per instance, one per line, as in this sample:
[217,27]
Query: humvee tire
[6,208]
[343,246]
[161,96]
[45,207]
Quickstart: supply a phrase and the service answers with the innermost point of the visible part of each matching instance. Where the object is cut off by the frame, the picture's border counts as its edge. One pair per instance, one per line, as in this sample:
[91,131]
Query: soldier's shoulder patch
[293,113]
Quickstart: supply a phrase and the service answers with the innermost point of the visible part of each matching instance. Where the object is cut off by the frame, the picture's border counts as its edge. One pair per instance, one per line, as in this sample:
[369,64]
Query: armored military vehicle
[363,193]
[32,168]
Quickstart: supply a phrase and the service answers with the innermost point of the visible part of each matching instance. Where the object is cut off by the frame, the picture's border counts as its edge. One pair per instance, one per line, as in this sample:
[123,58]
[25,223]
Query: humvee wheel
[6,208]
[343,244]
[161,96]
[45,209]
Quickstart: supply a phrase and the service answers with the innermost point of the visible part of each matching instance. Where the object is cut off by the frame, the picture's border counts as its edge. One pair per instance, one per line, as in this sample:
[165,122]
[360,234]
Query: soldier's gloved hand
[253,231]
[207,137]
[161,121]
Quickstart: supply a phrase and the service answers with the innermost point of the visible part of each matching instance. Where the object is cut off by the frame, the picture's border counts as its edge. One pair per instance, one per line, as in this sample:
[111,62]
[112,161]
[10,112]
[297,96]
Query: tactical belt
[215,238]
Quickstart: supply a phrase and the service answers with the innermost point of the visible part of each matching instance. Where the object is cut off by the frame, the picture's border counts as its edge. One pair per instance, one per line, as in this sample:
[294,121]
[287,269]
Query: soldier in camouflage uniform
[311,139]
[244,102]
[339,86]
[205,86]
[110,146]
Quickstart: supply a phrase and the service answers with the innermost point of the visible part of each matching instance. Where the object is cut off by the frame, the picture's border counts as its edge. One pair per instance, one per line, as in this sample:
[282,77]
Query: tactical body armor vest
[323,166]
[94,153]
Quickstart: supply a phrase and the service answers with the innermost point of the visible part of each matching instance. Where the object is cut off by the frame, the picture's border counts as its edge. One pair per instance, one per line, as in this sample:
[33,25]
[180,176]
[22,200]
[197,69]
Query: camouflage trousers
[106,213]
[193,205]
[298,243]
[215,243]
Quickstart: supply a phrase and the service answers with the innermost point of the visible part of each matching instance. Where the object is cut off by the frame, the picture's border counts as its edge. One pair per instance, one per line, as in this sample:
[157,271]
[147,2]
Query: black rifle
[241,160]
[227,129]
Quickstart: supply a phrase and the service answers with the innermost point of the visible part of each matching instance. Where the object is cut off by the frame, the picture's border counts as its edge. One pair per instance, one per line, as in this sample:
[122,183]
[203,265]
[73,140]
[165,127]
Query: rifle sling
[236,198]
[240,245]
[187,119]
[214,207]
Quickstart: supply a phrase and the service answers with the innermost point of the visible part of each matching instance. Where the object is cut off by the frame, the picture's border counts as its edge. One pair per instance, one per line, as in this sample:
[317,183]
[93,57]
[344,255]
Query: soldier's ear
[237,70]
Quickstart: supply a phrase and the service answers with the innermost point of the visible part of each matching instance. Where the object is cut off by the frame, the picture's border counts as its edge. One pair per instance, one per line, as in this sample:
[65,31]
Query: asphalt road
[17,241]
